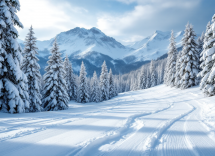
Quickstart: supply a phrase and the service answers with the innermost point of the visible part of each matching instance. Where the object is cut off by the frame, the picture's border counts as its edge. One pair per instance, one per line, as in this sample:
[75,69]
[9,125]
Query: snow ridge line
[95,143]
[153,139]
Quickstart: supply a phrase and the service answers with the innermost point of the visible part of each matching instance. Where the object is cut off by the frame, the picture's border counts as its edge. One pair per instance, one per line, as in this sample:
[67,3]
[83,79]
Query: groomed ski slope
[160,121]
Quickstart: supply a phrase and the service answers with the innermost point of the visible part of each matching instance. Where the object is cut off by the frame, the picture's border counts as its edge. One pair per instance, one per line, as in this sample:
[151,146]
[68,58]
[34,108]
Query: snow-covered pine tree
[115,86]
[72,83]
[32,70]
[67,74]
[208,59]
[83,96]
[95,94]
[111,85]
[177,74]
[142,79]
[69,77]
[171,59]
[189,59]
[127,88]
[13,82]
[76,83]
[153,75]
[55,95]
[148,80]
[200,43]
[104,83]
[133,85]
[89,88]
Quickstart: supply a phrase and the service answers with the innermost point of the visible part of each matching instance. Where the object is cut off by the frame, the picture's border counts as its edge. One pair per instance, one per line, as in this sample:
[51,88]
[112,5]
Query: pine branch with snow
[13,82]
[208,58]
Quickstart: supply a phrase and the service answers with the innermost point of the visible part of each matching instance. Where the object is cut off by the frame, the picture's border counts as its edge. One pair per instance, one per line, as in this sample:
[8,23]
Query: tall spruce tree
[104,83]
[153,75]
[70,79]
[32,70]
[171,69]
[95,94]
[148,80]
[208,59]
[67,74]
[55,95]
[83,96]
[189,59]
[111,85]
[13,82]
[142,79]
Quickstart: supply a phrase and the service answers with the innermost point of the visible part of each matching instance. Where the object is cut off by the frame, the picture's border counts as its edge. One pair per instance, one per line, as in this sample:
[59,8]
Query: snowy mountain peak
[160,35]
[153,46]
[96,31]
[80,41]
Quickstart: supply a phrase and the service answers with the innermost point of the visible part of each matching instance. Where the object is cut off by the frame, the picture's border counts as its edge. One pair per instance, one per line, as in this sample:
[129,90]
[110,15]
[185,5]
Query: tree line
[23,89]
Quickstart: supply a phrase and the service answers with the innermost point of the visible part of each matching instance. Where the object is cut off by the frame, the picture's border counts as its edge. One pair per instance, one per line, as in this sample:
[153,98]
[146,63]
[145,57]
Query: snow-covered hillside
[156,121]
[152,47]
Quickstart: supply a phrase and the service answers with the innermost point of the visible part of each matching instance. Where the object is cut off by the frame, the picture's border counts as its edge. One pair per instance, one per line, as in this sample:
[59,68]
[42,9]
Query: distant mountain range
[93,47]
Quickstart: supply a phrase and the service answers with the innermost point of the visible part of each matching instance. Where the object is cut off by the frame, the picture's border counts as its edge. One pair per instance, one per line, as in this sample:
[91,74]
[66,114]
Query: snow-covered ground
[157,121]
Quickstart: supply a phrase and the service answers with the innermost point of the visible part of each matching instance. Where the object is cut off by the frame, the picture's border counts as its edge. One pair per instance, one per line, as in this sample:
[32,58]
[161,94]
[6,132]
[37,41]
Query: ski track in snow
[24,129]
[155,137]
[112,136]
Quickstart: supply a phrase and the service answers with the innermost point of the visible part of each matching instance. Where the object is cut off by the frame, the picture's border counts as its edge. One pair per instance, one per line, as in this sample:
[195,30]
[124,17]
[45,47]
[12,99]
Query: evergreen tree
[189,59]
[142,79]
[72,83]
[67,74]
[208,59]
[55,95]
[153,81]
[89,88]
[104,83]
[76,82]
[148,80]
[95,94]
[69,77]
[111,85]
[127,88]
[31,69]
[200,43]
[177,75]
[83,96]
[13,82]
[171,69]
[115,86]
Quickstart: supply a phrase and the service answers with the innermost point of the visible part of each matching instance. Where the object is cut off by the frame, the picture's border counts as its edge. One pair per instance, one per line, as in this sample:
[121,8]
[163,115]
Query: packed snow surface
[158,121]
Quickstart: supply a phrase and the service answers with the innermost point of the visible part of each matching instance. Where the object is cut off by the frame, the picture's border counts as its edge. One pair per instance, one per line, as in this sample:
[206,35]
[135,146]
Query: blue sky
[125,20]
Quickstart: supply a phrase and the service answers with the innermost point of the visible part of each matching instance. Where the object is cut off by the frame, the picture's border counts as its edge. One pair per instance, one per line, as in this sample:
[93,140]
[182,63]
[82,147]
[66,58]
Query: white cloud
[146,17]
[52,18]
